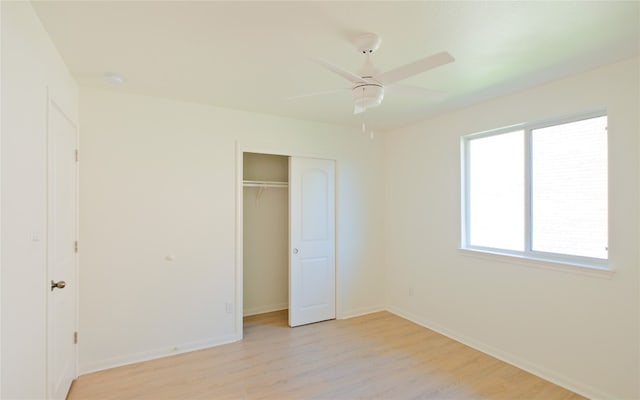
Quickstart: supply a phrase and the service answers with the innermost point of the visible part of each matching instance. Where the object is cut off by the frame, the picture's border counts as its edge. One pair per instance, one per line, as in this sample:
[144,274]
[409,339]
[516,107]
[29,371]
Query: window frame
[528,253]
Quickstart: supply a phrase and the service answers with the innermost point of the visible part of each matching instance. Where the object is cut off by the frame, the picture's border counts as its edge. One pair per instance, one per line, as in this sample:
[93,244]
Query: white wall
[158,178]
[30,65]
[576,329]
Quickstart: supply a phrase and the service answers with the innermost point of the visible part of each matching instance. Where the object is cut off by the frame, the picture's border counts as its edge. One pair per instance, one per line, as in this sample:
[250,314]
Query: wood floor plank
[375,356]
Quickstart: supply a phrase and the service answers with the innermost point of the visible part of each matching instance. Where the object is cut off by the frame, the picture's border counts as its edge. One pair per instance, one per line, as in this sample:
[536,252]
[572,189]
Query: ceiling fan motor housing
[367,95]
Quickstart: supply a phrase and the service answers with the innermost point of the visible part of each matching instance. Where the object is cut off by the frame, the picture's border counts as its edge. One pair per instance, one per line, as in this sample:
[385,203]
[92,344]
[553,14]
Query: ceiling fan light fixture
[367,96]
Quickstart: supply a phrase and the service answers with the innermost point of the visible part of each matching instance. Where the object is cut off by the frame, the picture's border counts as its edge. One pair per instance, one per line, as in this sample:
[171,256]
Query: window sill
[554,265]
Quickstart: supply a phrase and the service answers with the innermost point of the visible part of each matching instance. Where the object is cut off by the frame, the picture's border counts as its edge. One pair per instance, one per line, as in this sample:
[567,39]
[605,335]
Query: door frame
[242,148]
[53,103]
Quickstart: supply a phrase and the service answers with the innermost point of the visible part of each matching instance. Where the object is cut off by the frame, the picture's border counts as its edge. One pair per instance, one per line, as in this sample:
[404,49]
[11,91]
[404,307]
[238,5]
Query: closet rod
[265,184]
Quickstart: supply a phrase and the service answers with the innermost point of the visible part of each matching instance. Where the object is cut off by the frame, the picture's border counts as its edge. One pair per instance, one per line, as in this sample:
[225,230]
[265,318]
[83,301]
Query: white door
[311,240]
[61,237]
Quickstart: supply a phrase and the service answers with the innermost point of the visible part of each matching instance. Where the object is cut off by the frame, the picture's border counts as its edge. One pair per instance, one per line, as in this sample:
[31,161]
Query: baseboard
[120,361]
[534,369]
[360,312]
[265,309]
[349,314]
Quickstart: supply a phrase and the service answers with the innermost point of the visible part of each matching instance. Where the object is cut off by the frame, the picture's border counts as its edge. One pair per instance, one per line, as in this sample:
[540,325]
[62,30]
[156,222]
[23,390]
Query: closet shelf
[265,184]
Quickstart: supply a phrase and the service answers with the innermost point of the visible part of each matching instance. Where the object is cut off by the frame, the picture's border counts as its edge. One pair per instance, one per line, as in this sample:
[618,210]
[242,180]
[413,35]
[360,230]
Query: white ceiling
[252,55]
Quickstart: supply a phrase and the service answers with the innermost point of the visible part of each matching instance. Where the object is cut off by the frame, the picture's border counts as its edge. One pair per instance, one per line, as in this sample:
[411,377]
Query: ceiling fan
[368,85]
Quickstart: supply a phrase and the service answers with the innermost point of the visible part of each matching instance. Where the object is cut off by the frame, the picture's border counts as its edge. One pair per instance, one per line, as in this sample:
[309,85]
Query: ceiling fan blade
[350,76]
[408,90]
[415,68]
[319,93]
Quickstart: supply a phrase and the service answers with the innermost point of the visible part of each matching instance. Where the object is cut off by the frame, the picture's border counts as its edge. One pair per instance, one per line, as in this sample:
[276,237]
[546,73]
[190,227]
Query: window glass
[496,191]
[569,188]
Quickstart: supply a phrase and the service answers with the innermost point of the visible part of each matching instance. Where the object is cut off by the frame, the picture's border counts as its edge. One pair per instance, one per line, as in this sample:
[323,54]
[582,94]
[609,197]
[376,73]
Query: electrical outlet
[228,307]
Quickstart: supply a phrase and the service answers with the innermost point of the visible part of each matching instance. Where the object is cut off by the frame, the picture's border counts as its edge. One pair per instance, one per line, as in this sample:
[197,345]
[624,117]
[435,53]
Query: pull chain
[364,130]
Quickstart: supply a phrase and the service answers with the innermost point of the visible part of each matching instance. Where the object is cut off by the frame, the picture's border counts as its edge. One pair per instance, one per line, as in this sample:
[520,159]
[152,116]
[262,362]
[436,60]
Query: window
[538,191]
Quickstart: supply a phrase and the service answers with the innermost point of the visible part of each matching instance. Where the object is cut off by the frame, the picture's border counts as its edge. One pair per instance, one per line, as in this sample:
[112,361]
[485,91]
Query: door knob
[295,251]
[59,285]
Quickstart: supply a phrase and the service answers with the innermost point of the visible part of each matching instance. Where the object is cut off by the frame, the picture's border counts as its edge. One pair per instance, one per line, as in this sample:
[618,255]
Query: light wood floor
[377,356]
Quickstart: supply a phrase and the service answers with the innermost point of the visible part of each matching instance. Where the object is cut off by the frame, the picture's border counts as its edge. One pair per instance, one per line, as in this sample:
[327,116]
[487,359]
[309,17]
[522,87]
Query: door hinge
[75,337]
[75,246]
[77,152]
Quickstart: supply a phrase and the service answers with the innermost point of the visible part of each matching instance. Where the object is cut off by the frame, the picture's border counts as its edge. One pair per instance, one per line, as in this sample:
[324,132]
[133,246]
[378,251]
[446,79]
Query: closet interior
[265,233]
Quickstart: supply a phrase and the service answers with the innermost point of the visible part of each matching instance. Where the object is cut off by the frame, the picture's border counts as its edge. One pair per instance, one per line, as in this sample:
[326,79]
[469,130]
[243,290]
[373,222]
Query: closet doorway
[288,241]
[265,233]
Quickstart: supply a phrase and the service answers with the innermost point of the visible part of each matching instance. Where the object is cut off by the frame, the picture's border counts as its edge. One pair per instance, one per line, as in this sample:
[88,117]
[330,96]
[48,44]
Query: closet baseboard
[265,309]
